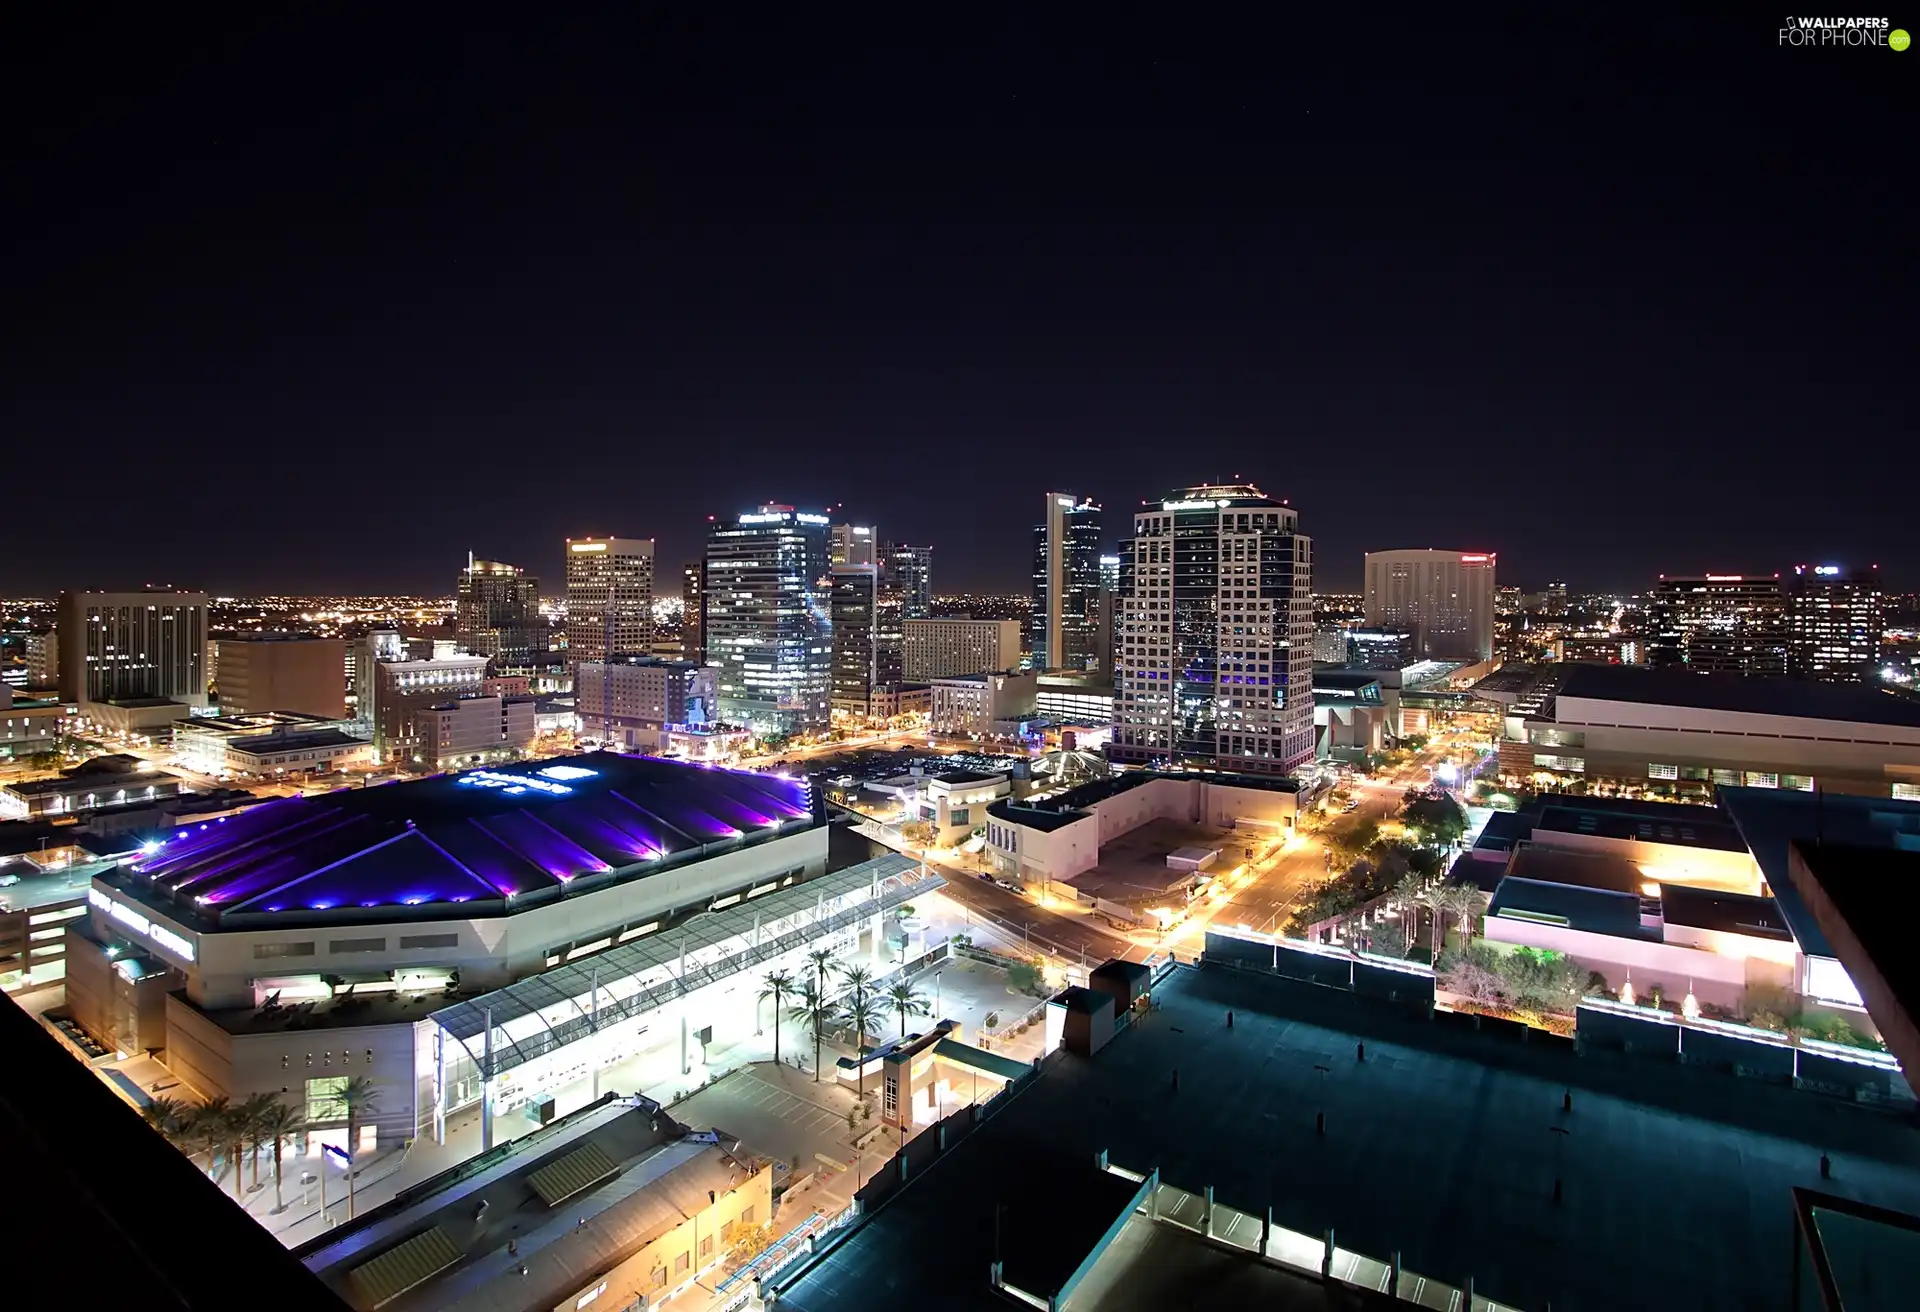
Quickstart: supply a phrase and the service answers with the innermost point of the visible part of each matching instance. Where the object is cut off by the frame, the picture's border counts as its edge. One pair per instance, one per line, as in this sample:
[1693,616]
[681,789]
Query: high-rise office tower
[1214,647]
[118,646]
[693,613]
[769,629]
[1444,598]
[1066,585]
[1719,624]
[855,600]
[496,612]
[852,544]
[910,576]
[1835,621]
[1108,609]
[609,597]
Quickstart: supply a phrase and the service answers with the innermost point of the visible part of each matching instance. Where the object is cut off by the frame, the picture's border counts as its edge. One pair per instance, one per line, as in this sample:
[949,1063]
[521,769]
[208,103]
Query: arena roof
[481,836]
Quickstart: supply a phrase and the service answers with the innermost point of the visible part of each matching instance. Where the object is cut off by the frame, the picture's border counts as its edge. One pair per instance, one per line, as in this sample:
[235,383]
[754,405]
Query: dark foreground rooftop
[1441,1145]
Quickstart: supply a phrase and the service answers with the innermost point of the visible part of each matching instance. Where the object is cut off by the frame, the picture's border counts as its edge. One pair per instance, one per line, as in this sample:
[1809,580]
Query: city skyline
[1159,259]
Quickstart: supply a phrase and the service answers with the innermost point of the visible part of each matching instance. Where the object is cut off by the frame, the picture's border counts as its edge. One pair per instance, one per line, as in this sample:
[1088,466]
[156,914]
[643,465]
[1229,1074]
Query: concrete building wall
[282,674]
[287,1063]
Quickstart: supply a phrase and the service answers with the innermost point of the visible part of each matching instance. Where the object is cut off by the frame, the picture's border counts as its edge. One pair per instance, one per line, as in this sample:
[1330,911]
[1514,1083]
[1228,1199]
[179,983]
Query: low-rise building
[204,744]
[650,1207]
[889,701]
[102,782]
[1686,735]
[473,731]
[1050,840]
[636,702]
[29,726]
[989,705]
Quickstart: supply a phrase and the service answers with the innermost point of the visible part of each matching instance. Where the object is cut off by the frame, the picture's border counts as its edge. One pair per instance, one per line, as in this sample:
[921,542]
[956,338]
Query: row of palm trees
[1462,901]
[861,1007]
[221,1129]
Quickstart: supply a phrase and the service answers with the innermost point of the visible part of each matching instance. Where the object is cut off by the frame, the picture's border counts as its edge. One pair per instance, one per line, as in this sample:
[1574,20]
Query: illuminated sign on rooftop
[514,783]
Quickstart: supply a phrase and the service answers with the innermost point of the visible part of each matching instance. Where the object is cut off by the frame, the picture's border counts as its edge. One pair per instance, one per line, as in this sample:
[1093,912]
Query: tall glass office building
[768,622]
[1064,633]
[1214,636]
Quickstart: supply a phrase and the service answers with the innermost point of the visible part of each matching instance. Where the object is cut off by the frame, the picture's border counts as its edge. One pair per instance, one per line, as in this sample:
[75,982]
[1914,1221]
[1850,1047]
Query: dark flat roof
[1595,910]
[1770,819]
[1805,699]
[1731,913]
[1438,1146]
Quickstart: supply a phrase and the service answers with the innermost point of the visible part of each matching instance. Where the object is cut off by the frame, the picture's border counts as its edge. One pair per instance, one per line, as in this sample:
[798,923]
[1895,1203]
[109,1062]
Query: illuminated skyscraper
[1066,585]
[1835,621]
[1214,643]
[609,597]
[769,627]
[496,612]
[852,544]
[1719,624]
[910,577]
[1444,598]
[693,615]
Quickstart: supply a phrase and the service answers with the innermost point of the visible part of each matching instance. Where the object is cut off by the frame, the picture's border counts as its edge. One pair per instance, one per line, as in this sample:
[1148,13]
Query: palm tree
[279,1122]
[254,1112]
[861,1012]
[858,979]
[1466,909]
[1439,899]
[905,1002]
[815,1010]
[206,1130]
[236,1120]
[778,984]
[822,960]
[1407,893]
[360,1096]
[169,1117]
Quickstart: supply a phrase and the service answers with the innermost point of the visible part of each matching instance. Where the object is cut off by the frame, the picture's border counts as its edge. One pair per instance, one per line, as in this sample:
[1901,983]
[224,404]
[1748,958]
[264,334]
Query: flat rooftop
[1440,1146]
[653,1173]
[481,836]
[1800,698]
[1133,866]
[1771,820]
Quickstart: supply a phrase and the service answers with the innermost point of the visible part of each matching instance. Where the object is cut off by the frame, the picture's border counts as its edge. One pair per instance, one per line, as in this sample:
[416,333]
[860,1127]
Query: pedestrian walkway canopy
[511,1026]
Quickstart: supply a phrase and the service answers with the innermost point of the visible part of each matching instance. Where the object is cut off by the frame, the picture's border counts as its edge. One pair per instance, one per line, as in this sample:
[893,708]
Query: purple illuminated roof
[480,836]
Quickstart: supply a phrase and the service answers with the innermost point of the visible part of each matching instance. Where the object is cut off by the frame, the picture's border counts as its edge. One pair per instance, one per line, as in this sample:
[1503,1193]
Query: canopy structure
[545,1012]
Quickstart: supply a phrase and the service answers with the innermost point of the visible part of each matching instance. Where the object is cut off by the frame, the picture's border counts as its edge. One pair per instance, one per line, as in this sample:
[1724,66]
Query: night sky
[323,303]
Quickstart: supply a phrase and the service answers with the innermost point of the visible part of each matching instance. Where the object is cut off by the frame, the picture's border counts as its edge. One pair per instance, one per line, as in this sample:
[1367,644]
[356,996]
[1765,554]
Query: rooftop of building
[1343,680]
[496,838]
[1729,913]
[1591,909]
[310,740]
[1796,698]
[1770,820]
[574,1198]
[1438,1147]
[253,722]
